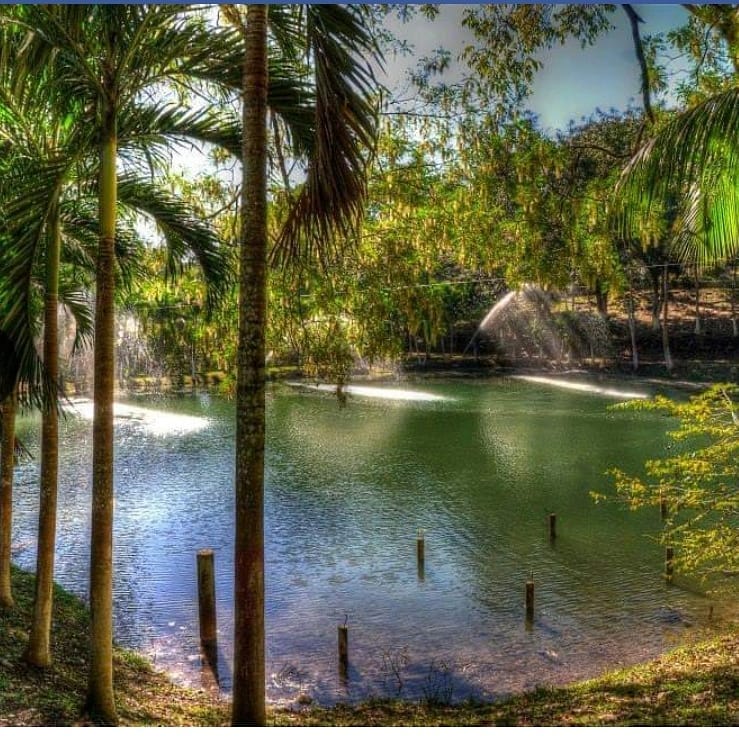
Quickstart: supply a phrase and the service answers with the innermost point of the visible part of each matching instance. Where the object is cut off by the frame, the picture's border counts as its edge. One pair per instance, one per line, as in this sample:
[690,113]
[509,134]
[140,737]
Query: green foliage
[698,485]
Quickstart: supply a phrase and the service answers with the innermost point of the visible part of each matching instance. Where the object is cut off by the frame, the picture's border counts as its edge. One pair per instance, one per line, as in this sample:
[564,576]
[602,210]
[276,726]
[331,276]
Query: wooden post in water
[669,556]
[207,605]
[552,526]
[530,599]
[421,552]
[343,649]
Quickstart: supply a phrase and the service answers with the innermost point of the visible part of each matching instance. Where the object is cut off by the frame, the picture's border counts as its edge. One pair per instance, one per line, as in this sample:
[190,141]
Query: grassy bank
[694,685]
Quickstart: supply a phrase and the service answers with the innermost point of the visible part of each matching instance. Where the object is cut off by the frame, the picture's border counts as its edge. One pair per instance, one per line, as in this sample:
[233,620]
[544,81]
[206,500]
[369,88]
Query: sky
[573,81]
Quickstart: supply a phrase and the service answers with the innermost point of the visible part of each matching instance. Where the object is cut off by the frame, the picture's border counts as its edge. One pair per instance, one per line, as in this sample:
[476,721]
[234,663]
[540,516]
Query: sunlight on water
[583,387]
[159,423]
[347,488]
[385,393]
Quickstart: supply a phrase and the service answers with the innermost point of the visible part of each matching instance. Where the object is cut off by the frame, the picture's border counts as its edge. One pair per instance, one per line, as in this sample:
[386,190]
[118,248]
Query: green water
[347,490]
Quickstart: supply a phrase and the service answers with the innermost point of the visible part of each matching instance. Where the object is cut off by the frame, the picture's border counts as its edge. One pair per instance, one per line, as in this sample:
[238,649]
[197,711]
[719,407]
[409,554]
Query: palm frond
[162,126]
[329,205]
[692,163]
[79,304]
[81,228]
[187,237]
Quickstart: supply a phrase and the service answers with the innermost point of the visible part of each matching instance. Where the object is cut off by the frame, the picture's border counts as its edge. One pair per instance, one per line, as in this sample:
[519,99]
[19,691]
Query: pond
[476,464]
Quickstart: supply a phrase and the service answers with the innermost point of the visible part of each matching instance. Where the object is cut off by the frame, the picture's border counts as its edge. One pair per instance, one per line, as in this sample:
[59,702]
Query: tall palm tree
[65,211]
[336,45]
[31,133]
[7,453]
[115,61]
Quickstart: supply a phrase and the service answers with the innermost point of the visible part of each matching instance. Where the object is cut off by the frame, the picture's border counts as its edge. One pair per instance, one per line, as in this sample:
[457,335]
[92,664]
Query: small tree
[698,487]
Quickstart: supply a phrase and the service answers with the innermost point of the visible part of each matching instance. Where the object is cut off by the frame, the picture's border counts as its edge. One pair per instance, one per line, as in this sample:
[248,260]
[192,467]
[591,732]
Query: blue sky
[573,81]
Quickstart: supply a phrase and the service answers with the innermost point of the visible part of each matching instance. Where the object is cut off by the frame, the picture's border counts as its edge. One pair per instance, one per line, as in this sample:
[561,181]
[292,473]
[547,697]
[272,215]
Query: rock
[304,699]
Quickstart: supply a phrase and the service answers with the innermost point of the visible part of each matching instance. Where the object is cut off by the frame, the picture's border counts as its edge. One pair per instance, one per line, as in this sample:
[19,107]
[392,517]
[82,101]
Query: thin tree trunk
[632,330]
[100,698]
[249,669]
[38,652]
[665,333]
[734,327]
[634,21]
[7,463]
[656,304]
[601,299]
[697,329]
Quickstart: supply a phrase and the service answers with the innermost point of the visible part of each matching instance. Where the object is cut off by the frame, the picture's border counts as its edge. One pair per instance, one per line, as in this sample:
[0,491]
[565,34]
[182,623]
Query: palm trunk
[38,652]
[7,463]
[100,699]
[249,669]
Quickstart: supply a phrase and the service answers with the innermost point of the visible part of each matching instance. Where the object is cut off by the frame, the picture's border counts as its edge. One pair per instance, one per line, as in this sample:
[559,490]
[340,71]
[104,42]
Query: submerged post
[552,526]
[343,649]
[421,552]
[669,556]
[530,599]
[207,603]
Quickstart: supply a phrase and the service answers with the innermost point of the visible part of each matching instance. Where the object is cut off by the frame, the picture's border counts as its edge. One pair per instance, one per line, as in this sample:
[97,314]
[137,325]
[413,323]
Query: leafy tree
[698,484]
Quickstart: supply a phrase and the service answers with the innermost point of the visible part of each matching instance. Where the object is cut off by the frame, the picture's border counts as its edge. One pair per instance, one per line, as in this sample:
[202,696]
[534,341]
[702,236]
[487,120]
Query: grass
[55,697]
[695,685]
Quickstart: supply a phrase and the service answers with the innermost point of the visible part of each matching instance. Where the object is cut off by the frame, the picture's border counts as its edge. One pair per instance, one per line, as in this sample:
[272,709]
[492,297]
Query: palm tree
[689,167]
[30,133]
[692,162]
[114,62]
[7,461]
[334,41]
[41,144]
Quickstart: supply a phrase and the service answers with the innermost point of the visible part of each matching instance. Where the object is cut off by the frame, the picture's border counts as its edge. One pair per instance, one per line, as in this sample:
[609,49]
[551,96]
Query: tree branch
[635,20]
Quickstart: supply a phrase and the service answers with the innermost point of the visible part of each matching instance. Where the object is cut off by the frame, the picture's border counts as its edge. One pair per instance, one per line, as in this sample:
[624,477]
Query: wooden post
[207,601]
[530,599]
[663,508]
[669,556]
[421,552]
[552,526]
[343,649]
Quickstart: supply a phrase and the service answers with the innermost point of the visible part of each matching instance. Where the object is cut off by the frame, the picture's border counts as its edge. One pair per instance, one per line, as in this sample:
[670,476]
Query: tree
[333,40]
[114,61]
[7,462]
[688,167]
[697,486]
[33,134]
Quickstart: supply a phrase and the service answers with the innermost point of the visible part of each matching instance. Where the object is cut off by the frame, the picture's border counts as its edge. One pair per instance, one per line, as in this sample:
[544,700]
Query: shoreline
[696,684]
[688,376]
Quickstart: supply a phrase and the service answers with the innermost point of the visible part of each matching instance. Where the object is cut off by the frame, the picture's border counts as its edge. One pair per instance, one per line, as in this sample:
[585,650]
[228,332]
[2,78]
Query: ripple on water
[347,490]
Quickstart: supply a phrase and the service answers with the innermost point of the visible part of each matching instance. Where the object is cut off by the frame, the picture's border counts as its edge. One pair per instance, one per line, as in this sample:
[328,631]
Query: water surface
[347,489]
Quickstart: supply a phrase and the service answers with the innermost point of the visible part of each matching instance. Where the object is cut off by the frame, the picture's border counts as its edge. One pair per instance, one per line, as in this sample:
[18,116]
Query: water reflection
[348,488]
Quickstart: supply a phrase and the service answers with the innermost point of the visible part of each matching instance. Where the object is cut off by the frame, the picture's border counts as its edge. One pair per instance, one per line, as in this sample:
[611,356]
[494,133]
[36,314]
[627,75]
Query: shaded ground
[695,685]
